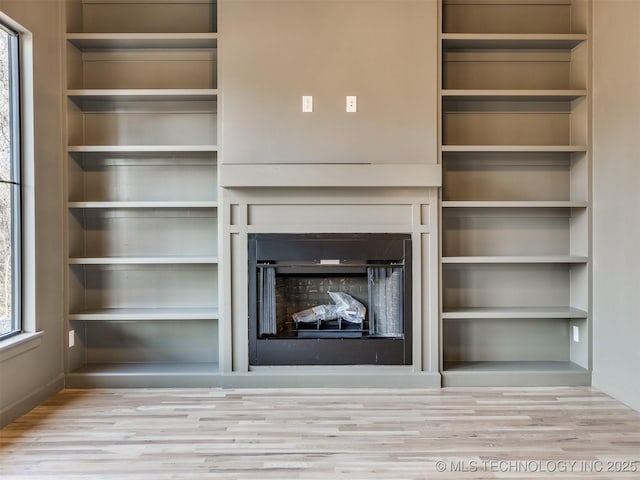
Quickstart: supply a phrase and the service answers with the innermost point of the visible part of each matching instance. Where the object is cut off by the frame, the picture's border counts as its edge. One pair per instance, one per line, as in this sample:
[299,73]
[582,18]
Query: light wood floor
[324,434]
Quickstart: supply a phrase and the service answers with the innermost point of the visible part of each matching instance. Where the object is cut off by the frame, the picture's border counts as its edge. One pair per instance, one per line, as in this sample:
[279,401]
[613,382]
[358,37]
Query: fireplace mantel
[330,175]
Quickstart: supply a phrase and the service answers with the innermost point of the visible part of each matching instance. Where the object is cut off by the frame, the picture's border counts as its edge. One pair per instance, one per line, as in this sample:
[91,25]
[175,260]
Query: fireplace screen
[330,299]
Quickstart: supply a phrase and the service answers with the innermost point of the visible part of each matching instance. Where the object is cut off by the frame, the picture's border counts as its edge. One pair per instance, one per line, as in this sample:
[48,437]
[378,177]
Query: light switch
[72,338]
[352,103]
[307,104]
[576,334]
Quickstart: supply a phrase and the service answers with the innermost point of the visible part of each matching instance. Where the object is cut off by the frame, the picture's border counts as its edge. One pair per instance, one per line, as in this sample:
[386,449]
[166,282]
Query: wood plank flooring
[182,434]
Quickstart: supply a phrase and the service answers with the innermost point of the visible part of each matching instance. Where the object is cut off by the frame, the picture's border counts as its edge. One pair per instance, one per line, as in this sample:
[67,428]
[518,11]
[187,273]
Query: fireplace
[330,299]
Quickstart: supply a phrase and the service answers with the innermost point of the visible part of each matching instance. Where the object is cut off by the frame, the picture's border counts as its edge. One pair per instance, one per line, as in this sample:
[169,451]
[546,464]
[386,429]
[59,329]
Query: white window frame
[15,180]
[30,337]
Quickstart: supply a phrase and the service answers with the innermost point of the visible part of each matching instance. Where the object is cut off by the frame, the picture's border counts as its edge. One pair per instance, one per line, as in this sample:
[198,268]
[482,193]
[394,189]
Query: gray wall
[616,229]
[30,377]
[382,51]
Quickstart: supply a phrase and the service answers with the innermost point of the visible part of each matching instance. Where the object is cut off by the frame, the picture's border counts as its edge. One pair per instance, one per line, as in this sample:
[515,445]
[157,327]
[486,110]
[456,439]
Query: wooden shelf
[144,204]
[141,148]
[133,41]
[164,101]
[514,374]
[489,41]
[88,160]
[144,375]
[143,260]
[513,313]
[515,148]
[147,368]
[138,94]
[514,259]
[158,2]
[535,366]
[538,95]
[449,2]
[146,314]
[514,204]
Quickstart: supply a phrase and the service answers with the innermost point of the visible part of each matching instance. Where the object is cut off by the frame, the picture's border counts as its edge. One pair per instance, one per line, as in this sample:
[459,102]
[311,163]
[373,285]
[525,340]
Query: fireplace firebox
[330,299]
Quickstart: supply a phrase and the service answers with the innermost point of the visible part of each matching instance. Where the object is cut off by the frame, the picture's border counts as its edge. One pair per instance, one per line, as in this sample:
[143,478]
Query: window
[10,184]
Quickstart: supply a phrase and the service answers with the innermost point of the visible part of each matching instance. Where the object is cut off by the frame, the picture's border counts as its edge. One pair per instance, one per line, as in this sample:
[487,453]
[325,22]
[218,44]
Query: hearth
[330,299]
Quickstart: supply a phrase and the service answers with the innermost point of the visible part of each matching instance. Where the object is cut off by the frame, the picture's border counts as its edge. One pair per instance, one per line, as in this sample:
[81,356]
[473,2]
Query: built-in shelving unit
[515,153]
[142,107]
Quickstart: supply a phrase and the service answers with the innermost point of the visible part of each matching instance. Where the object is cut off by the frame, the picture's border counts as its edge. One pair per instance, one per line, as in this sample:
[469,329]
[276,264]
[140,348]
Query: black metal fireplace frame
[348,248]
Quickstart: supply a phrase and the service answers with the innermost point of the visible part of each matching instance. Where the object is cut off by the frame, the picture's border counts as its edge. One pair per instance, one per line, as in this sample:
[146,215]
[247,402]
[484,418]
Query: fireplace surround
[304,200]
[294,280]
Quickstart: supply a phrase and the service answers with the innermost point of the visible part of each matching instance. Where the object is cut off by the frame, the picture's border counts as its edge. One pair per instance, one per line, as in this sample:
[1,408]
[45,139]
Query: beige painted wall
[28,378]
[275,51]
[616,229]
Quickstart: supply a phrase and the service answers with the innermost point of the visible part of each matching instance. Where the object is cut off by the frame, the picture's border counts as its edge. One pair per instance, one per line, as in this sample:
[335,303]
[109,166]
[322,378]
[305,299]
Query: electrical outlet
[72,338]
[307,104]
[352,104]
[576,333]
